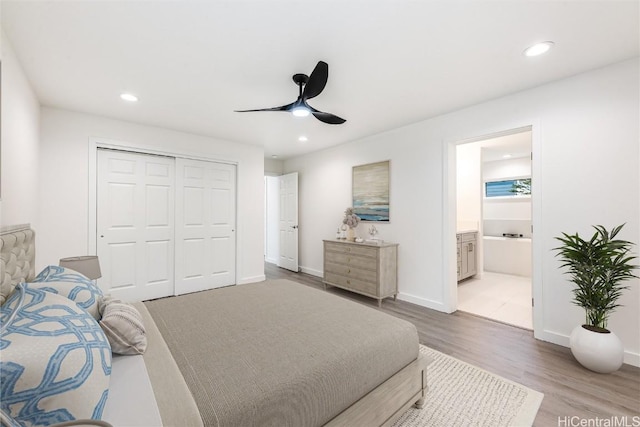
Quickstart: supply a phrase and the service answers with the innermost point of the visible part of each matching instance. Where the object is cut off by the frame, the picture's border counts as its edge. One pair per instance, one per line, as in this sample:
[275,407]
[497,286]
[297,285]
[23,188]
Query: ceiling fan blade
[317,81]
[329,118]
[282,108]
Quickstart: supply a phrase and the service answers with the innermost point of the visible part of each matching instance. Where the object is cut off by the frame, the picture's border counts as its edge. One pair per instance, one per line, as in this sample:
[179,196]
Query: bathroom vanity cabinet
[467,254]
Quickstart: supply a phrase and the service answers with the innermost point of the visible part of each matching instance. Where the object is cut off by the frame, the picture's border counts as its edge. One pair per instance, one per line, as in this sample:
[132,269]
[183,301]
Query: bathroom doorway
[494,228]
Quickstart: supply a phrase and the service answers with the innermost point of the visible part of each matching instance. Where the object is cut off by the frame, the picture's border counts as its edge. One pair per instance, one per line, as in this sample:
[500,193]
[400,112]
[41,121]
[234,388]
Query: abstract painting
[371,191]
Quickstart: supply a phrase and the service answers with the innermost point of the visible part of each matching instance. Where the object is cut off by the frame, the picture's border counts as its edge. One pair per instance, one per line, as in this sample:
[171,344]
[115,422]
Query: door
[205,225]
[288,221]
[135,224]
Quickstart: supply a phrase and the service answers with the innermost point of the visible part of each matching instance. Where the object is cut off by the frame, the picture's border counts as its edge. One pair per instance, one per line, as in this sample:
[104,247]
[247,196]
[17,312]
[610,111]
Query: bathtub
[507,255]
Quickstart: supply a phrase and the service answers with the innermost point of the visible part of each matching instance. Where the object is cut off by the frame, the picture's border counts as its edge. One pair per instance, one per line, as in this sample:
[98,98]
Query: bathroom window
[508,188]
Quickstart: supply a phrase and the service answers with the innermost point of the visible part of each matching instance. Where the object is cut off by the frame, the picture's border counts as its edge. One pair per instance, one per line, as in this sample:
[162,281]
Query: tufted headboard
[17,257]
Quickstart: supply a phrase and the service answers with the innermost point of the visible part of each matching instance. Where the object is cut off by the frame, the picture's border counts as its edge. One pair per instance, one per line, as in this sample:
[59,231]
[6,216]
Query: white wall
[506,169]
[272,225]
[588,128]
[64,177]
[469,186]
[325,192]
[273,167]
[20,143]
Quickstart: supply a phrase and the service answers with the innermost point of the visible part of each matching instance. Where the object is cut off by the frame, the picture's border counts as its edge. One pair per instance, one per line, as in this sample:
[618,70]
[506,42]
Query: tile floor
[497,296]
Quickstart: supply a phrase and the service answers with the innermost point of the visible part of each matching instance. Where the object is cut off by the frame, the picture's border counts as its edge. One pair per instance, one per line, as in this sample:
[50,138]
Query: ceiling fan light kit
[300,111]
[308,87]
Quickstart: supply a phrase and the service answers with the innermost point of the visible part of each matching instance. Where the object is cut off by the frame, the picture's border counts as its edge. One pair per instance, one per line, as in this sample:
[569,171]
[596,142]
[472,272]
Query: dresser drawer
[352,272]
[351,260]
[361,286]
[352,249]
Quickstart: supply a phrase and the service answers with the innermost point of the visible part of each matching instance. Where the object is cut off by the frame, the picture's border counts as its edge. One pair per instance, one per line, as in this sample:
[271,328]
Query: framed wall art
[370,191]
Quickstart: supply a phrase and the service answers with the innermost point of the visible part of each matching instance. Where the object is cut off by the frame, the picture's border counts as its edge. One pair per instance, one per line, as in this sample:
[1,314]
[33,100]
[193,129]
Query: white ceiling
[391,63]
[514,145]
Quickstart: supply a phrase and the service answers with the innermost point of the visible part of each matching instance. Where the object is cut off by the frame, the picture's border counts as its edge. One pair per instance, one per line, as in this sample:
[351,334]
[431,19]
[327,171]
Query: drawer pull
[349,271]
[348,282]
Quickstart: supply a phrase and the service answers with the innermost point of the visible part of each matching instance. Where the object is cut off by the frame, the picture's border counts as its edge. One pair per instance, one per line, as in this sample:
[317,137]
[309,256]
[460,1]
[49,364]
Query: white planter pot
[599,352]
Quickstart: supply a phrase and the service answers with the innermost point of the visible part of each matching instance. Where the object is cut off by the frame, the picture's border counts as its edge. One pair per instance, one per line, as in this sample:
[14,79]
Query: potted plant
[598,268]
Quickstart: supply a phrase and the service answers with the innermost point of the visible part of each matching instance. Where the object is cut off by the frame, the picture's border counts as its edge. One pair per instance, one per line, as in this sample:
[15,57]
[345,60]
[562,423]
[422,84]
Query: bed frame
[381,407]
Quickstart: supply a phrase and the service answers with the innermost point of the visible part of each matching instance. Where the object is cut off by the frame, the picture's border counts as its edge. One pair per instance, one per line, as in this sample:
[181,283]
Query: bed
[271,353]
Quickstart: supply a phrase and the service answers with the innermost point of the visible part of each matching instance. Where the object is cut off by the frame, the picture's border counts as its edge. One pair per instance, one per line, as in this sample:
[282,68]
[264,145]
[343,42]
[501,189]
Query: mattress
[278,353]
[131,400]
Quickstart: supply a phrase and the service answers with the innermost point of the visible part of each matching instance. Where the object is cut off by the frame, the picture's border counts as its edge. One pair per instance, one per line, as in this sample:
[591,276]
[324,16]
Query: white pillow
[71,284]
[56,361]
[123,326]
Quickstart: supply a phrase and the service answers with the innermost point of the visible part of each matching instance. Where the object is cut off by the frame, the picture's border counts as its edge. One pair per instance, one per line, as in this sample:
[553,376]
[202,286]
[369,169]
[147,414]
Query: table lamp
[87,265]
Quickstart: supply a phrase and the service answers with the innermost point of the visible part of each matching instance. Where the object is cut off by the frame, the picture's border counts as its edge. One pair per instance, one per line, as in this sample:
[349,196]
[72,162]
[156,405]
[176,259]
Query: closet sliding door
[205,225]
[135,224]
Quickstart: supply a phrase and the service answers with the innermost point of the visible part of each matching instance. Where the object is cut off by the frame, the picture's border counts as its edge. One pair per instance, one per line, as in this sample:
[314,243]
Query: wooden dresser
[367,269]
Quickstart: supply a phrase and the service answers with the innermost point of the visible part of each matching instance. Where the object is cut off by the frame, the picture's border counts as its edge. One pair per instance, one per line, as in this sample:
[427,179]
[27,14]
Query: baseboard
[424,302]
[311,271]
[254,279]
[630,357]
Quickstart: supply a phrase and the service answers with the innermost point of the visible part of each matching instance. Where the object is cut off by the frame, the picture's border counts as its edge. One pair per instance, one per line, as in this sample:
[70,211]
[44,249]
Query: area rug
[461,394]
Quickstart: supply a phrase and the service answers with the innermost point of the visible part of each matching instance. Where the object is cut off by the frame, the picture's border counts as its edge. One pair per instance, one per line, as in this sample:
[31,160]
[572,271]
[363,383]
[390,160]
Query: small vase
[598,351]
[351,234]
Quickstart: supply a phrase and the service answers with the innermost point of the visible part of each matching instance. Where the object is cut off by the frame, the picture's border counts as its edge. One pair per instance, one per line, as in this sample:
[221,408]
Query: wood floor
[569,389]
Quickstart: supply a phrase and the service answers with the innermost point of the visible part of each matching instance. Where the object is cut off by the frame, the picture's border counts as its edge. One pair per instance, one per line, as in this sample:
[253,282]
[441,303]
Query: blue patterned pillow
[56,361]
[70,284]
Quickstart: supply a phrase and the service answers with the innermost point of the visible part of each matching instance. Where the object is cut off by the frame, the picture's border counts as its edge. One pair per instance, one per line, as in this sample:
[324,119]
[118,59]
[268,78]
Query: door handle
[294,226]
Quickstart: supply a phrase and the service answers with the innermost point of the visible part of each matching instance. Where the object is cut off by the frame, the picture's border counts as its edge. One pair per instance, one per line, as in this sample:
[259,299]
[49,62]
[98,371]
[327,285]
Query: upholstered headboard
[17,257]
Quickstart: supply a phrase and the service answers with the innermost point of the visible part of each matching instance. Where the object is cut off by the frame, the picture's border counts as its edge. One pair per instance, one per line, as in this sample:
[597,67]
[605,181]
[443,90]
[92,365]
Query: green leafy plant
[597,267]
[521,187]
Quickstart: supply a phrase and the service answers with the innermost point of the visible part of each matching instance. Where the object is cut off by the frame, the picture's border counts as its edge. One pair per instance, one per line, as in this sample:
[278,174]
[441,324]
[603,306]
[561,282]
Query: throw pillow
[70,284]
[56,361]
[122,324]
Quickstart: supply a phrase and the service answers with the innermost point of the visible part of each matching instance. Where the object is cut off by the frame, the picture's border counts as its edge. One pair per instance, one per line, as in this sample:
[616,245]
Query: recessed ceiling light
[274,156]
[128,97]
[303,138]
[506,156]
[538,49]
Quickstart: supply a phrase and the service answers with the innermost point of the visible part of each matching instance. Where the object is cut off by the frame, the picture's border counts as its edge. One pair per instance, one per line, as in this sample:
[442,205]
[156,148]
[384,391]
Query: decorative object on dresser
[367,269]
[467,255]
[370,191]
[351,220]
[88,265]
[373,231]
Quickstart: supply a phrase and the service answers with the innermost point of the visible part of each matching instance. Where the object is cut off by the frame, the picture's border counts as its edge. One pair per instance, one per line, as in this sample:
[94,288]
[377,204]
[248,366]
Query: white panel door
[288,222]
[205,225]
[135,224]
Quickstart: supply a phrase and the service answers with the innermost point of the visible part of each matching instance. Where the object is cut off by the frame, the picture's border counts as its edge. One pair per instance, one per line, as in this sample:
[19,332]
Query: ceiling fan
[309,87]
